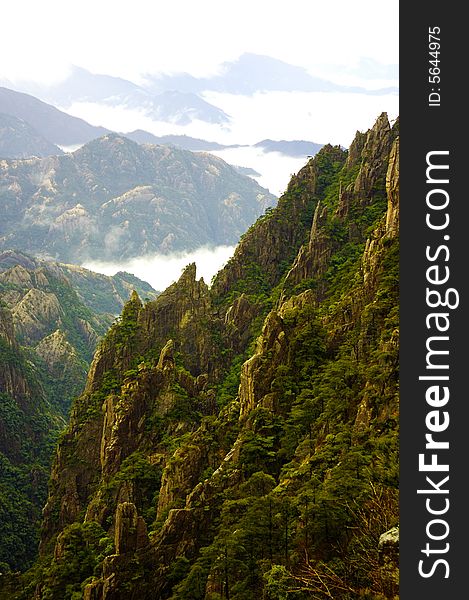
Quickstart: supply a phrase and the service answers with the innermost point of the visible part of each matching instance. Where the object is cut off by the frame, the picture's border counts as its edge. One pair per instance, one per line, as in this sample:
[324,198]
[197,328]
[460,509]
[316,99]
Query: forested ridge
[240,440]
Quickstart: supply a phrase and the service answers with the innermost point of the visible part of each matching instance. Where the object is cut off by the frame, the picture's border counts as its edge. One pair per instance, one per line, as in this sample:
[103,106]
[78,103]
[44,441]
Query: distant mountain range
[290,147]
[252,73]
[168,105]
[114,199]
[248,74]
[181,141]
[56,126]
[31,127]
[178,98]
[296,148]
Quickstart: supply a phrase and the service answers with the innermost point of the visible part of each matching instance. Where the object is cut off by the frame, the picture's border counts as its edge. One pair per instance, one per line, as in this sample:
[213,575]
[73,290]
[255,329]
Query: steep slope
[19,140]
[51,317]
[113,199]
[59,312]
[54,327]
[240,441]
[29,426]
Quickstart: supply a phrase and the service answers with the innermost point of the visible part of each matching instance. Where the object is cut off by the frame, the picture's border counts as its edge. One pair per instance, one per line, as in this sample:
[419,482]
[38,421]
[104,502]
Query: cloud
[321,117]
[315,116]
[275,169]
[162,270]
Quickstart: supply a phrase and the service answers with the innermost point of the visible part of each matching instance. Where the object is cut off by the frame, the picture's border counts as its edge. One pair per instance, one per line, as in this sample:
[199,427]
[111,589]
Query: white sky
[127,38]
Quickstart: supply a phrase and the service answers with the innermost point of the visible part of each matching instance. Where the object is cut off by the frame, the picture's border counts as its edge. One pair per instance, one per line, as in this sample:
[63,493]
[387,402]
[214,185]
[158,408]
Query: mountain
[113,199]
[172,106]
[290,147]
[181,141]
[82,86]
[240,441]
[171,98]
[24,114]
[102,294]
[252,73]
[51,126]
[296,148]
[51,318]
[169,105]
[19,140]
[54,326]
[29,427]
[51,123]
[247,171]
[58,313]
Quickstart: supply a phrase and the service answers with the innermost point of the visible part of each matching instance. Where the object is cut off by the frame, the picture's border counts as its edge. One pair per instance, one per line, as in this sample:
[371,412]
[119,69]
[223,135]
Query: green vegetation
[28,433]
[74,311]
[261,446]
[33,411]
[318,492]
[82,547]
[23,490]
[320,486]
[144,477]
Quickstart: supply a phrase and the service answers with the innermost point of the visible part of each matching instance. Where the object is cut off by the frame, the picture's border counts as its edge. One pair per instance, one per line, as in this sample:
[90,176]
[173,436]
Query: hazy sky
[40,39]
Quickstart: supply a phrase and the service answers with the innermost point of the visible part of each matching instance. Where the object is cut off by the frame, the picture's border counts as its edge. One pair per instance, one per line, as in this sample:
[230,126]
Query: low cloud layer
[162,270]
[316,116]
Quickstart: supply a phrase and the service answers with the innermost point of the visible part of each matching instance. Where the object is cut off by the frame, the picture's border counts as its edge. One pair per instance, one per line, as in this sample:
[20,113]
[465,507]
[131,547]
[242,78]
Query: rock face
[13,380]
[48,315]
[34,313]
[389,544]
[57,352]
[113,199]
[282,233]
[252,424]
[62,309]
[129,528]
[363,193]
[388,550]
